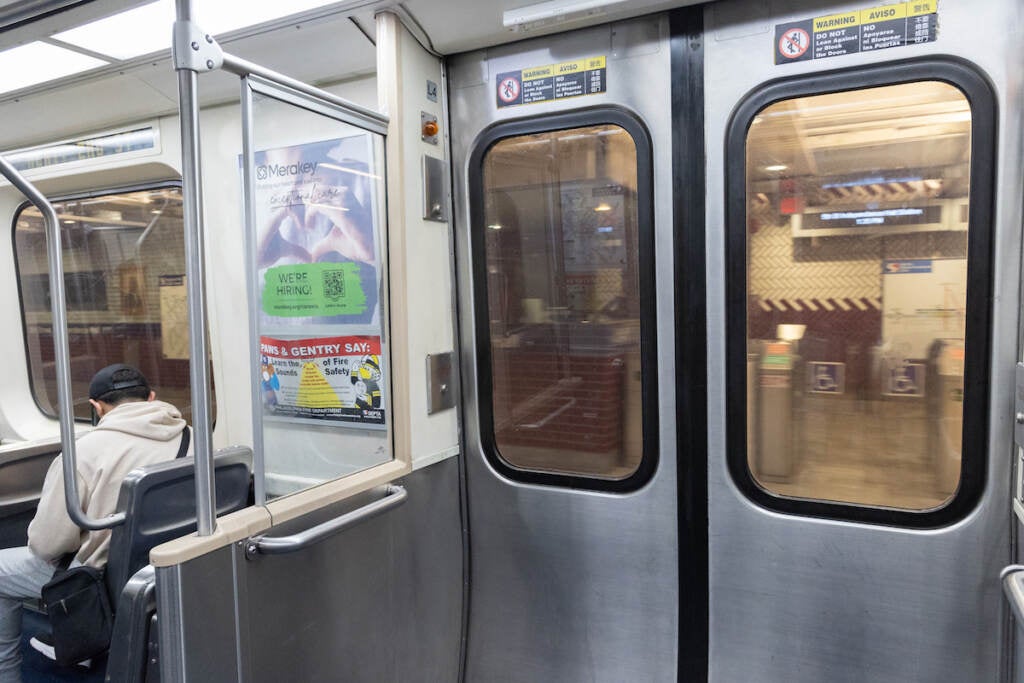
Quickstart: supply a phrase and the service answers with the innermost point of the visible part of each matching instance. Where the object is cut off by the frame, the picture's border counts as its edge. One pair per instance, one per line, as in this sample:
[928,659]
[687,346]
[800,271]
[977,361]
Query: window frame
[548,123]
[76,196]
[982,100]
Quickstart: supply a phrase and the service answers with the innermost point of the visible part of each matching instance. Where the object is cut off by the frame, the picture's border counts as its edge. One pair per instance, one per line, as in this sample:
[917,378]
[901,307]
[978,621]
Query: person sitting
[134,429]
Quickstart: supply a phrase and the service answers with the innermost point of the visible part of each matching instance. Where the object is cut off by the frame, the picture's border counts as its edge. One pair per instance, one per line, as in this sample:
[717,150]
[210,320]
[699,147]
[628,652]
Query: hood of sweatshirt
[150,419]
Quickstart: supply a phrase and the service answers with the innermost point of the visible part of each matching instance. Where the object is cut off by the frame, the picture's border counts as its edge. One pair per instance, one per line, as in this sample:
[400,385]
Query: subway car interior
[577,340]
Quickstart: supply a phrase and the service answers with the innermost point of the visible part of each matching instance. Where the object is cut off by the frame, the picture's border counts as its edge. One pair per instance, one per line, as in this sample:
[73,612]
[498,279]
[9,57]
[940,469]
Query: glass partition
[317,203]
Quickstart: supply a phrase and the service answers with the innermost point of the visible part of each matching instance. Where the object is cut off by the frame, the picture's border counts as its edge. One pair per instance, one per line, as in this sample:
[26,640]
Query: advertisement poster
[174,316]
[922,300]
[317,259]
[594,220]
[324,378]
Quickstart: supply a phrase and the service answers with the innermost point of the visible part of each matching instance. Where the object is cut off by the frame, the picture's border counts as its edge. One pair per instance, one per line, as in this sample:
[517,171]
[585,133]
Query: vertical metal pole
[252,273]
[199,366]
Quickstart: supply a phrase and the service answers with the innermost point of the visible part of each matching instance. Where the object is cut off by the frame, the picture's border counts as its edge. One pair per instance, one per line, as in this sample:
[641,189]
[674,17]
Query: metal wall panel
[197,622]
[569,585]
[799,599]
[381,601]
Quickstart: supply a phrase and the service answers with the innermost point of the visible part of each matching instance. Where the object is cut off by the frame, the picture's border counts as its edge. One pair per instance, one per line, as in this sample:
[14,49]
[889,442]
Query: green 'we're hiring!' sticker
[313,290]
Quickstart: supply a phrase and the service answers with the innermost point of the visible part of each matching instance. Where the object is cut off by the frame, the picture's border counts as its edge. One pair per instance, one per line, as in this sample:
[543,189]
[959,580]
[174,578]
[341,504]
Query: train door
[563,167]
[863,231]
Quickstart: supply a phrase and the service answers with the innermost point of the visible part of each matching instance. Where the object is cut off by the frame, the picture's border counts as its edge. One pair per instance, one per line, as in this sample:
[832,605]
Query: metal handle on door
[263,545]
[1013,586]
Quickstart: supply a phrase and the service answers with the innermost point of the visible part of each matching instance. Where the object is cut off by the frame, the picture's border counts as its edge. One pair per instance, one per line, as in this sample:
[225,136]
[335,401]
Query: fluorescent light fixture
[554,12]
[495,226]
[139,31]
[602,207]
[147,29]
[95,221]
[34,63]
[776,167]
[790,332]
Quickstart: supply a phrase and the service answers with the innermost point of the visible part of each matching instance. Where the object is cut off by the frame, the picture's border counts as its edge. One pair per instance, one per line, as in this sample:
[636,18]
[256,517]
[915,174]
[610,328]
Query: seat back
[160,505]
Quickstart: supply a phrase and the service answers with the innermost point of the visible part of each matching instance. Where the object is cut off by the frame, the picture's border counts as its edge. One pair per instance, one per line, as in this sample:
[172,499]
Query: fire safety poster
[326,378]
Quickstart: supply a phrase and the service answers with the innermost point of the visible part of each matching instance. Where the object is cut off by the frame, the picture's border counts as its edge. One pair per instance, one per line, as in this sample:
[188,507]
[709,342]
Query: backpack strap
[186,434]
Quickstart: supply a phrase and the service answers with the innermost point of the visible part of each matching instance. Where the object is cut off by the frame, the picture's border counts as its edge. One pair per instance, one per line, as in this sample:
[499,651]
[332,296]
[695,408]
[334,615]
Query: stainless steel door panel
[569,585]
[798,599]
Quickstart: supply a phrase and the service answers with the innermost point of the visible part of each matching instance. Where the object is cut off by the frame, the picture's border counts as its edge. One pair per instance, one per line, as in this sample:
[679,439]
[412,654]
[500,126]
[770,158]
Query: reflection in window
[563,300]
[124,282]
[856,286]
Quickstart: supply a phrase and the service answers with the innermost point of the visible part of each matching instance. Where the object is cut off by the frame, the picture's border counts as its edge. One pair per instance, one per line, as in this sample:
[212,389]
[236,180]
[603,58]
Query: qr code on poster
[334,284]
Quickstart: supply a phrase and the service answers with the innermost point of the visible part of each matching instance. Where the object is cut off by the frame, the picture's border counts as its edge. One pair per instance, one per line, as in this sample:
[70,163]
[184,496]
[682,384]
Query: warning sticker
[552,82]
[878,28]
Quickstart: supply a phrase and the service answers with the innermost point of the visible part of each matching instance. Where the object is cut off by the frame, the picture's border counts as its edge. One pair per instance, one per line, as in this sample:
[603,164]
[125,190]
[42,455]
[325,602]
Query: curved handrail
[263,545]
[61,351]
[1013,587]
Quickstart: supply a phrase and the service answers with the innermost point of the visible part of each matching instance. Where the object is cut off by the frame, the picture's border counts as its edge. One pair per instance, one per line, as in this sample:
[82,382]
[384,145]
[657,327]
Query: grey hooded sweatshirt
[133,434]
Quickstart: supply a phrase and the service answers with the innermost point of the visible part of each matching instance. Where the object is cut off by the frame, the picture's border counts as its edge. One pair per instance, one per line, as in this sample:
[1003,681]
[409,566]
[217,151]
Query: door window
[562,235]
[858,246]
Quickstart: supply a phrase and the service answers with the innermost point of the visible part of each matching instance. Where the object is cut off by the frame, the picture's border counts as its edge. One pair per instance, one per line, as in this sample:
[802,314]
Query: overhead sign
[878,28]
[552,82]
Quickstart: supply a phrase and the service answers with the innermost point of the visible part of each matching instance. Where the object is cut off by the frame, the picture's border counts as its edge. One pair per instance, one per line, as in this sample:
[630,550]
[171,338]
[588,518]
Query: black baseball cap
[103,382]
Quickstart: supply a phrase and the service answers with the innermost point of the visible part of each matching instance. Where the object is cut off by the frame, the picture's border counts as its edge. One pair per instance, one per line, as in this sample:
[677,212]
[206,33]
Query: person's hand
[272,246]
[347,237]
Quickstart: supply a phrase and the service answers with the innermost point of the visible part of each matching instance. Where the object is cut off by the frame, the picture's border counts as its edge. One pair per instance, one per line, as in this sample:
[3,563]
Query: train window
[857,244]
[566,233]
[124,265]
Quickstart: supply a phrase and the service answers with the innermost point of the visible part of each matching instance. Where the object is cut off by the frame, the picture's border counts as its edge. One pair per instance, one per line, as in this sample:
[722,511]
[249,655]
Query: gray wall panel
[381,601]
[195,599]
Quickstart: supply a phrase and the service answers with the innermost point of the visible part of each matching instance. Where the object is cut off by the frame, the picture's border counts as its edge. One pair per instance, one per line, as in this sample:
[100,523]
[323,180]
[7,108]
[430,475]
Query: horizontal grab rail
[266,545]
[360,116]
[550,416]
